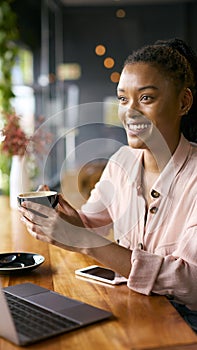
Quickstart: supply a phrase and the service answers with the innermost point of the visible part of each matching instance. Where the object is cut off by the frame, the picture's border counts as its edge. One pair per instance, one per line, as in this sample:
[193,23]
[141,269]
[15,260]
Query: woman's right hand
[64,209]
[43,188]
[68,213]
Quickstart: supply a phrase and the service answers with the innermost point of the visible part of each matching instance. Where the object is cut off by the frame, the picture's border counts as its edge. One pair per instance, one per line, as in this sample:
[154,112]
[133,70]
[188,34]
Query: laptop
[30,313]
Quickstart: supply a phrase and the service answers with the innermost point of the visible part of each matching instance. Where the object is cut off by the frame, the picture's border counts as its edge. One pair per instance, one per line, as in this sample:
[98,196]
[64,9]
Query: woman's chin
[136,142]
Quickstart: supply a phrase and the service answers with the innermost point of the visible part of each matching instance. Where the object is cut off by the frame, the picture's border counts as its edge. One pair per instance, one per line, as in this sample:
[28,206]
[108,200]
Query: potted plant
[8,54]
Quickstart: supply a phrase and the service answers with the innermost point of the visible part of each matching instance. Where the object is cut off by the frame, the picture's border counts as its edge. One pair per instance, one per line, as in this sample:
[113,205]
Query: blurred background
[63,36]
[70,55]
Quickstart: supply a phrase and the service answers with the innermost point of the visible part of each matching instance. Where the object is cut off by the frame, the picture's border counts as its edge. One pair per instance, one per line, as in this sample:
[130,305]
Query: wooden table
[141,322]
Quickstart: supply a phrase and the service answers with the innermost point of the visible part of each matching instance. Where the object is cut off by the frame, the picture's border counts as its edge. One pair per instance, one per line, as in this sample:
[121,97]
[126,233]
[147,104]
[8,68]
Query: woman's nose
[132,110]
[132,105]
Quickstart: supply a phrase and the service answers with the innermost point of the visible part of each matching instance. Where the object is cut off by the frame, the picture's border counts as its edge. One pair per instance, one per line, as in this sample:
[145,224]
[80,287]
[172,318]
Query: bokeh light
[109,62]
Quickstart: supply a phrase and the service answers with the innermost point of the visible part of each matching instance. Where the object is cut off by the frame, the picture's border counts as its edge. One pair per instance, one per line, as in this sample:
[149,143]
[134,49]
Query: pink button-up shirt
[164,239]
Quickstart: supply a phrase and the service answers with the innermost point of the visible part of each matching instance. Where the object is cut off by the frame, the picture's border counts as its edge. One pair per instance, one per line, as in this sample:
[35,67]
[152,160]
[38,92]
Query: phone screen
[100,272]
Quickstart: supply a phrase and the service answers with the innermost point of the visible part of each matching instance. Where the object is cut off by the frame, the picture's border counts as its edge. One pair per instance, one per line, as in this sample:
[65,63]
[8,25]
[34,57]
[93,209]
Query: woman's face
[149,105]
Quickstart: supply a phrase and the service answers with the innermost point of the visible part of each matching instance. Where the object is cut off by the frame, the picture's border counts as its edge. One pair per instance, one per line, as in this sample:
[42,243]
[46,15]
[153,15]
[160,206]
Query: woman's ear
[186,101]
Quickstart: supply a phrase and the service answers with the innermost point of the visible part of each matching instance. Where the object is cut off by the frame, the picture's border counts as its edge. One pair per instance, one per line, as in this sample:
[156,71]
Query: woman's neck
[155,163]
[157,155]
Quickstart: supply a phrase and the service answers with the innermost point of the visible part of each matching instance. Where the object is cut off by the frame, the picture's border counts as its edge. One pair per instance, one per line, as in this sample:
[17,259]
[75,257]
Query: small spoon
[7,260]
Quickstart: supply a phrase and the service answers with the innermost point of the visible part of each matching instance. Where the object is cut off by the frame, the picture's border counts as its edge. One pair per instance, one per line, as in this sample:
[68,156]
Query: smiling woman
[147,107]
[143,186]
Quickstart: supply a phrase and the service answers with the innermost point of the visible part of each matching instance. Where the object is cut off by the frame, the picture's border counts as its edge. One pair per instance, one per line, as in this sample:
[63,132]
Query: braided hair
[178,61]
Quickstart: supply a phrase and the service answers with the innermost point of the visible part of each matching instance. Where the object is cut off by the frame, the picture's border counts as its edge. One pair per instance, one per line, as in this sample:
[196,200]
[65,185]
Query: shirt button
[153,210]
[155,194]
[140,245]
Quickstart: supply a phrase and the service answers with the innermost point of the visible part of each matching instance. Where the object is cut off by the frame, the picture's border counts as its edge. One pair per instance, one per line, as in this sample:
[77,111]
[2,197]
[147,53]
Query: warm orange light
[115,76]
[100,50]
[120,13]
[109,62]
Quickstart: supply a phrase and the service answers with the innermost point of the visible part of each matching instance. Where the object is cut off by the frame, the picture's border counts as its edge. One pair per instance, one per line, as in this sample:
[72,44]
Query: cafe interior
[70,57]
[64,78]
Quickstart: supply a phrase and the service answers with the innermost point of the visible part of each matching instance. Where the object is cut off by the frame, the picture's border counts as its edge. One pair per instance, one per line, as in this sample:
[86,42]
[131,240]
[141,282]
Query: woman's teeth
[137,126]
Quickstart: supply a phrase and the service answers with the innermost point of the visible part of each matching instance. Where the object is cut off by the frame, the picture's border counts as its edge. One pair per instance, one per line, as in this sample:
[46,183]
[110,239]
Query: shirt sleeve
[103,206]
[95,213]
[173,275]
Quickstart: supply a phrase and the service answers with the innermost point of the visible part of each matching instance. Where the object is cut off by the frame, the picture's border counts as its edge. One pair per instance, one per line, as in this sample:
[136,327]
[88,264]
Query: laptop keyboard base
[36,323]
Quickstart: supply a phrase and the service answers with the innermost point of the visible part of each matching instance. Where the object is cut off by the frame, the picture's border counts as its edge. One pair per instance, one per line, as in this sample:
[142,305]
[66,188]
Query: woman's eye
[122,99]
[146,98]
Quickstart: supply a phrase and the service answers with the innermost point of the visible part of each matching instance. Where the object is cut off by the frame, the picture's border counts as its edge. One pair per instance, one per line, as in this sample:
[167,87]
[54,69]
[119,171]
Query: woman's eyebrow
[119,89]
[153,87]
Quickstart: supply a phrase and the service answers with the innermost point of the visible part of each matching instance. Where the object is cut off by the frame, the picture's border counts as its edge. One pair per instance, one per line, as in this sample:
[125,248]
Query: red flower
[15,140]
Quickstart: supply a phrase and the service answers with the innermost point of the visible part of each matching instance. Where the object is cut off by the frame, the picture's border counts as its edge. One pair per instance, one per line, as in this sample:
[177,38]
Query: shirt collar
[163,183]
